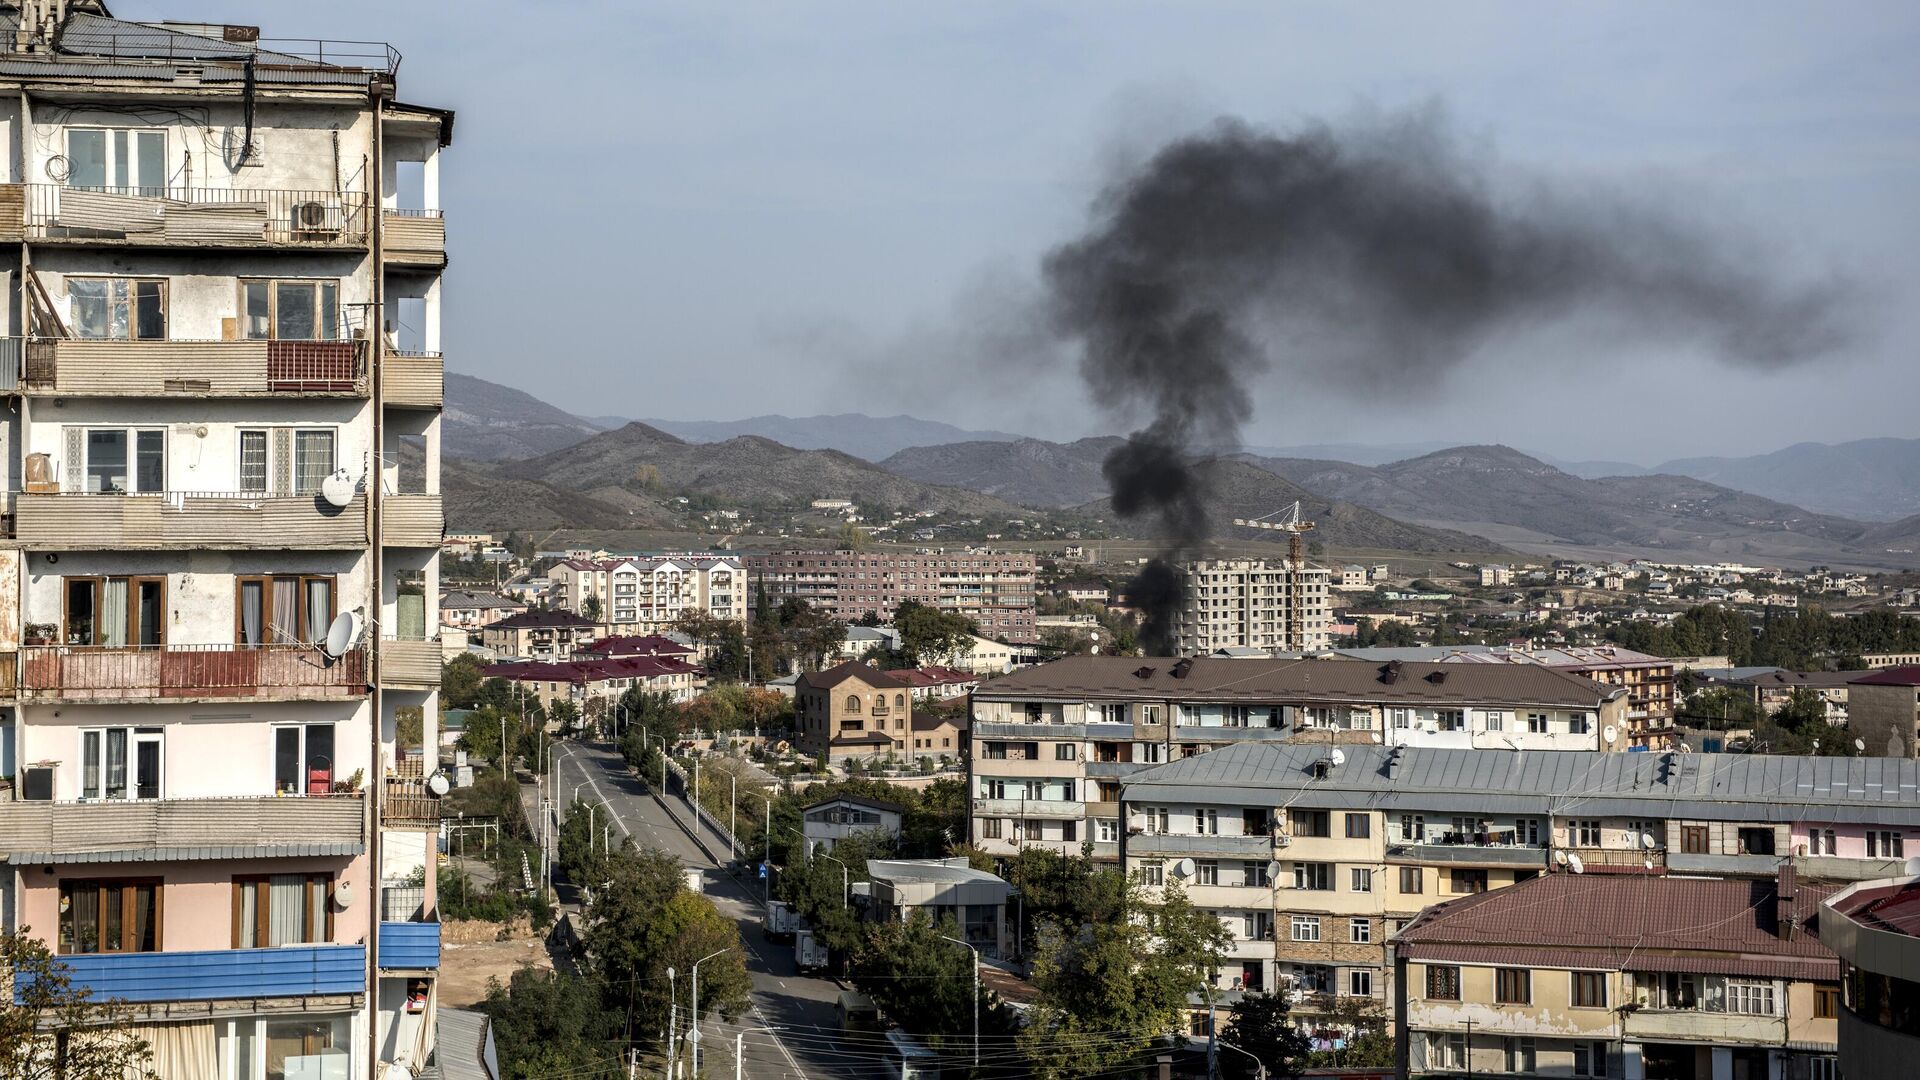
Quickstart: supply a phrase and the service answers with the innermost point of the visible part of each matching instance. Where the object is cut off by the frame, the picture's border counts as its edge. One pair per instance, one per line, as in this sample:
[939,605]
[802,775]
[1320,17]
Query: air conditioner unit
[1282,840]
[314,220]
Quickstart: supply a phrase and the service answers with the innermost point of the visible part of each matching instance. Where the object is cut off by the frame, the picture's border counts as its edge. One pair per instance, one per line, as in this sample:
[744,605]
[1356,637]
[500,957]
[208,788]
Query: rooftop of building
[549,619]
[1906,675]
[857,800]
[852,669]
[465,599]
[638,645]
[1584,657]
[1634,922]
[929,872]
[1318,679]
[1893,907]
[1491,782]
[934,675]
[594,669]
[1781,678]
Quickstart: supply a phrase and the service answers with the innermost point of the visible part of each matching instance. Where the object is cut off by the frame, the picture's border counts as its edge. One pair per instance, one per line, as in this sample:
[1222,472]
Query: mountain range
[868,437]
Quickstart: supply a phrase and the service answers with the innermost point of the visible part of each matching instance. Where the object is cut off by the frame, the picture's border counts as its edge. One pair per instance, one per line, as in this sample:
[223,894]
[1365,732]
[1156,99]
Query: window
[303,759]
[1360,931]
[1069,831]
[1153,873]
[992,828]
[1451,719]
[1316,877]
[1693,839]
[1400,719]
[282,610]
[1536,723]
[1756,841]
[110,916]
[117,158]
[291,310]
[1359,826]
[1749,998]
[116,612]
[1579,724]
[1589,990]
[1309,823]
[1585,833]
[1461,882]
[1521,1056]
[1362,880]
[1206,872]
[1526,832]
[1496,720]
[259,1048]
[282,909]
[1826,1001]
[1443,982]
[1064,751]
[1413,828]
[253,460]
[1447,1051]
[118,309]
[120,763]
[1410,882]
[1106,830]
[1589,1059]
[1394,926]
[1512,986]
[1820,842]
[312,459]
[1306,927]
[1359,983]
[1206,822]
[1823,1068]
[121,460]
[1882,844]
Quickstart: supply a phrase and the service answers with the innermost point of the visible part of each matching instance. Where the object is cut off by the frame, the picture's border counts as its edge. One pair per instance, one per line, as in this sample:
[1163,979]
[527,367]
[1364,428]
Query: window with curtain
[253,460]
[282,909]
[118,309]
[115,612]
[121,762]
[110,916]
[313,459]
[295,310]
[283,609]
[303,759]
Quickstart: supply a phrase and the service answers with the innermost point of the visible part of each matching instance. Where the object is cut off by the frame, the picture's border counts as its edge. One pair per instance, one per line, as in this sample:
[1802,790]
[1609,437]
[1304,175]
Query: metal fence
[198,217]
[100,671]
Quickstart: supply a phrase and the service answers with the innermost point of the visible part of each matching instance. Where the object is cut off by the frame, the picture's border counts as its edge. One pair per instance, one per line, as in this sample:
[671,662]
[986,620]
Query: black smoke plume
[1374,259]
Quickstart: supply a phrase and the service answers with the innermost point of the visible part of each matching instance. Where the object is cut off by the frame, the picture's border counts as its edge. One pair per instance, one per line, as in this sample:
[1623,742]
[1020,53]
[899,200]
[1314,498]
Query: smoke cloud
[1373,259]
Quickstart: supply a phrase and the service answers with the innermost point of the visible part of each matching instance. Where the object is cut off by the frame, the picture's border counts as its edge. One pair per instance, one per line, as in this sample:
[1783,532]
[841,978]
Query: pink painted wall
[1850,840]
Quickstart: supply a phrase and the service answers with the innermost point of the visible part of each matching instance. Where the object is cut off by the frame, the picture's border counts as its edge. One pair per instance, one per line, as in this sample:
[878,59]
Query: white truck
[781,921]
[809,952]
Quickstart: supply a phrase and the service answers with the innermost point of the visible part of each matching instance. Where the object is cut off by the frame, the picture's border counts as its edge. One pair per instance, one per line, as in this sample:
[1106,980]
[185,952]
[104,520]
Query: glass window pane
[286,909]
[90,765]
[330,310]
[249,915]
[84,911]
[82,619]
[116,763]
[286,760]
[253,615]
[312,460]
[150,164]
[259,314]
[150,617]
[151,459]
[319,758]
[87,158]
[294,310]
[112,905]
[150,312]
[253,461]
[106,460]
[120,158]
[319,608]
[113,612]
[89,296]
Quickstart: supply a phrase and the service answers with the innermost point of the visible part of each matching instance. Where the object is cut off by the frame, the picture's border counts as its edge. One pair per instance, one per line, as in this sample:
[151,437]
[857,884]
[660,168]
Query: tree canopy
[92,1038]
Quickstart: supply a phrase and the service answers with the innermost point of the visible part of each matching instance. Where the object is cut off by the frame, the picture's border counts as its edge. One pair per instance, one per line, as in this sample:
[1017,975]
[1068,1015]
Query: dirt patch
[465,968]
[474,931]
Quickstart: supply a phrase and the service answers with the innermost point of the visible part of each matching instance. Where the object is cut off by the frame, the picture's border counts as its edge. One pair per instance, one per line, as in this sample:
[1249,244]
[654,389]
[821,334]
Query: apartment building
[470,609]
[547,636]
[1873,927]
[853,710]
[993,588]
[1052,744]
[1611,975]
[637,595]
[1334,854]
[220,586]
[1883,711]
[1272,604]
[585,678]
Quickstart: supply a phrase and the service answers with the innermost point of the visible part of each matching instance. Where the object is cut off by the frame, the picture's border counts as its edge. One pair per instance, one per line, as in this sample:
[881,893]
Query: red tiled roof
[531,619]
[852,669]
[1908,675]
[1632,922]
[1894,908]
[933,675]
[638,645]
[593,670]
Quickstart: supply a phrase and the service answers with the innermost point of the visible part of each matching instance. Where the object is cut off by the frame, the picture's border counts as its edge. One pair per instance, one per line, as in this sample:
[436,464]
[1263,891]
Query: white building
[645,595]
[1259,603]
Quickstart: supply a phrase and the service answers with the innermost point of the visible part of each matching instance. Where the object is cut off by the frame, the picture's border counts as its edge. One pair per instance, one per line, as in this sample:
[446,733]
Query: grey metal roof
[463,1039]
[187,854]
[928,871]
[1763,787]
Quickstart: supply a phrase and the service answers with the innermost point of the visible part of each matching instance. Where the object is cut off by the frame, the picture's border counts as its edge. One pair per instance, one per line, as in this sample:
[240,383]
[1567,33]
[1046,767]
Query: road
[792,1030]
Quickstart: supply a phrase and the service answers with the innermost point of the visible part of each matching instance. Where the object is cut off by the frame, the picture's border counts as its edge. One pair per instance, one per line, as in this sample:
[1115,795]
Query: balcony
[409,946]
[1115,768]
[289,971]
[1256,846]
[169,217]
[1471,853]
[416,380]
[40,833]
[1698,1025]
[1030,731]
[1694,863]
[410,665]
[1835,868]
[70,367]
[1050,809]
[189,673]
[409,804]
[223,520]
[414,238]
[415,521]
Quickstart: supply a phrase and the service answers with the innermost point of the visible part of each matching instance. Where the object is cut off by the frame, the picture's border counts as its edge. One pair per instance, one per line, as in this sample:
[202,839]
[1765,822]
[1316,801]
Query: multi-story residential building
[1609,975]
[469,610]
[584,679]
[1883,711]
[1648,680]
[221,585]
[993,588]
[1063,736]
[644,595]
[1337,852]
[1271,604]
[1873,927]
[853,710]
[1874,661]
[546,636]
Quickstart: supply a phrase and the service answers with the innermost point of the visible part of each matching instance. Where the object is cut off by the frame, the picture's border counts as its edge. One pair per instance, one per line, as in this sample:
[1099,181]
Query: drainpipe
[376,346]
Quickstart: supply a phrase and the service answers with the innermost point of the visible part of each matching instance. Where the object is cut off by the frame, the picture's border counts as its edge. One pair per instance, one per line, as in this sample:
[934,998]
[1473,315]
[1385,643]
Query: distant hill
[1868,479]
[486,421]
[639,462]
[1029,471]
[870,438]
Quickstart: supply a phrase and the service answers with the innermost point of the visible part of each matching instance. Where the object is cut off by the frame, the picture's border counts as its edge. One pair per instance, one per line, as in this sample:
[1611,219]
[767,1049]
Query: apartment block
[1609,975]
[1052,744]
[645,595]
[219,587]
[1317,858]
[1883,711]
[1272,604]
[993,588]
[1874,929]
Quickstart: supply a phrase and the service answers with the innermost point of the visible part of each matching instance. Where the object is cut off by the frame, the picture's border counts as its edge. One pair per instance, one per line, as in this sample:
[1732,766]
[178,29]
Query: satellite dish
[437,783]
[1647,863]
[1574,864]
[343,635]
[1860,745]
[1913,865]
[1274,870]
[337,488]
[1339,757]
[1559,857]
[1608,734]
[1646,840]
[343,894]
[1183,868]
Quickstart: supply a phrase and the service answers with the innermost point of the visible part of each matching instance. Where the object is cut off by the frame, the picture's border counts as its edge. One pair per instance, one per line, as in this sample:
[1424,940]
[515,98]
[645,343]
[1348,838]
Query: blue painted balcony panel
[288,971]
[409,946]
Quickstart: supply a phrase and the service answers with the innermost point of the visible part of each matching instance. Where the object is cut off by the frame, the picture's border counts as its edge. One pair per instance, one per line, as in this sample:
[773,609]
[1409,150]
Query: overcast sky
[711,210]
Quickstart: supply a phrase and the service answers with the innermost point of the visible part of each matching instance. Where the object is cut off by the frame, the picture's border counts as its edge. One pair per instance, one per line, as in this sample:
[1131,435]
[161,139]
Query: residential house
[1883,711]
[943,889]
[543,636]
[993,588]
[830,820]
[853,710]
[646,594]
[1270,604]
[934,683]
[471,610]
[584,679]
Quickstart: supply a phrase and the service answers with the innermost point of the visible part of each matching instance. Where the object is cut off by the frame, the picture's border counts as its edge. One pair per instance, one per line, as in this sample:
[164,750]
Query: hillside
[638,462]
[867,437]
[1033,472]
[1867,479]
[485,421]
[1241,490]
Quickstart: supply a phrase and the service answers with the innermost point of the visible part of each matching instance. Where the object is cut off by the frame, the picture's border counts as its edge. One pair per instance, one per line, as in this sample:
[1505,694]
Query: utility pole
[693,1036]
[739,1041]
[733,813]
[766,879]
[673,1020]
[976,996]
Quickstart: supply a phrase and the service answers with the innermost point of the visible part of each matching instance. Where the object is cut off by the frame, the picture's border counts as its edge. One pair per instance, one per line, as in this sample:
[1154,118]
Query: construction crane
[1290,524]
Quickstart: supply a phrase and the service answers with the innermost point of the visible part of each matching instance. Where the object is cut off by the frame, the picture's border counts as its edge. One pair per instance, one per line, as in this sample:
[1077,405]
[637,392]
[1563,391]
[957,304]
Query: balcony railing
[408,803]
[412,521]
[409,946]
[415,379]
[194,217]
[410,664]
[230,520]
[109,673]
[1257,845]
[288,971]
[414,238]
[73,367]
[305,826]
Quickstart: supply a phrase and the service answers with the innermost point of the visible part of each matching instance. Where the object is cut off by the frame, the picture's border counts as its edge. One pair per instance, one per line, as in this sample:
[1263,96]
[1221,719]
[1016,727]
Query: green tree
[460,681]
[1258,1023]
[931,636]
[552,1023]
[1362,1022]
[53,1030]
[688,928]
[915,975]
[590,609]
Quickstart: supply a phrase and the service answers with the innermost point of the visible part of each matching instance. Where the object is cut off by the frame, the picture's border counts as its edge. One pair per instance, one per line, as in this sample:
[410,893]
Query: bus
[858,1012]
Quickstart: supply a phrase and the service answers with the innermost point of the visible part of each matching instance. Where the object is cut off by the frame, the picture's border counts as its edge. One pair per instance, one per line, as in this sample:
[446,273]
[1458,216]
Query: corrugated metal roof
[1767,787]
[1240,679]
[186,854]
[463,1037]
[937,871]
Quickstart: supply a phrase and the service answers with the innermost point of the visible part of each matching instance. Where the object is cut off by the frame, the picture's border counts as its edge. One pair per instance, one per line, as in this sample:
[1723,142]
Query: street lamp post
[694,1035]
[733,813]
[846,881]
[976,996]
[1257,1063]
[766,882]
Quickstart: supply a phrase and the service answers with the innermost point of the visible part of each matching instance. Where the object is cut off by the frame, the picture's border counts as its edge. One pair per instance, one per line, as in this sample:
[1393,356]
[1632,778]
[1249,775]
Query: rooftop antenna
[1293,526]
